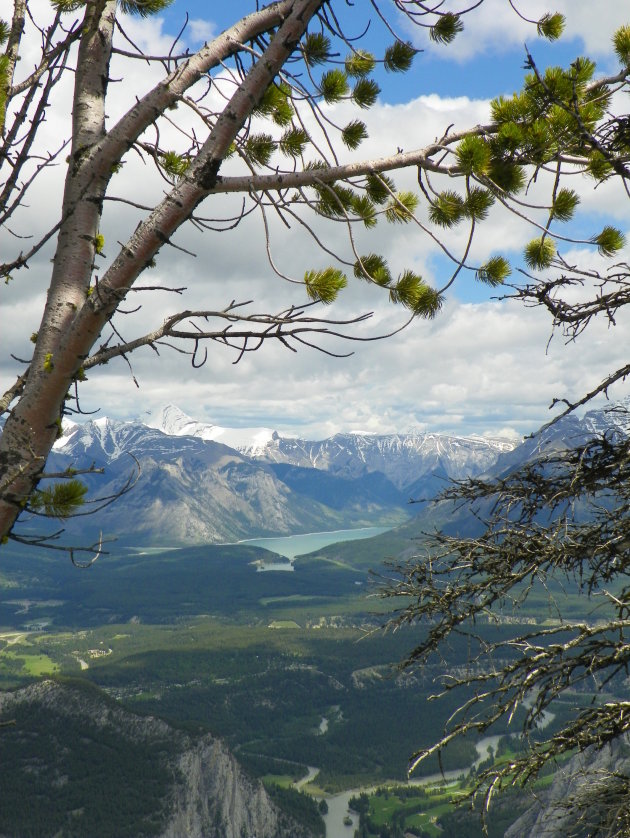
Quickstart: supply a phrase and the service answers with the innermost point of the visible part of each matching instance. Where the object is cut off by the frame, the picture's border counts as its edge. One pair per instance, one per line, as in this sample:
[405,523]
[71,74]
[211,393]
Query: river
[295,545]
[338,803]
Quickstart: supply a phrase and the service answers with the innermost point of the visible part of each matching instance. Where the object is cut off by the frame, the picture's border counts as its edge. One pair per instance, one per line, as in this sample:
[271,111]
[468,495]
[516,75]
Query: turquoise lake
[295,545]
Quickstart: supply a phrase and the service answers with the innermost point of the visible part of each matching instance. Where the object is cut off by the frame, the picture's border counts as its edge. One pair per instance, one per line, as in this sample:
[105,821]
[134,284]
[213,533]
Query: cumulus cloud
[495,27]
[483,366]
[200,30]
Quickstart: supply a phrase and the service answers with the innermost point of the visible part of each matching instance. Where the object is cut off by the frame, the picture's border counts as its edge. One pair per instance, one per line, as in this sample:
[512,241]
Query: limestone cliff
[589,797]
[75,763]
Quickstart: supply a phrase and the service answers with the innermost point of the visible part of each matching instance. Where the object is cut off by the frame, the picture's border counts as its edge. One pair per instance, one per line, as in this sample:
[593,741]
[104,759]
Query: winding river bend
[338,803]
[338,812]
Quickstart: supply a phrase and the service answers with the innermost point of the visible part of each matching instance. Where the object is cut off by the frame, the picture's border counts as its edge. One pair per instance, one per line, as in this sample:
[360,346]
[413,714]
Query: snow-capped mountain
[612,418]
[201,482]
[402,458]
[174,422]
[192,488]
[196,490]
[569,432]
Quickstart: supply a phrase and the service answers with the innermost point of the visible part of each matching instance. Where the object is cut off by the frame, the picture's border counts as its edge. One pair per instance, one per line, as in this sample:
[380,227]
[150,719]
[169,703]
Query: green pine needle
[373,267]
[364,209]
[334,86]
[609,241]
[174,164]
[61,500]
[582,72]
[473,155]
[598,165]
[324,285]
[478,203]
[399,57]
[276,104]
[144,8]
[359,64]
[506,175]
[621,43]
[67,5]
[551,26]
[365,93]
[379,188]
[510,137]
[334,199]
[412,292]
[539,253]
[447,27]
[354,133]
[565,204]
[401,211]
[316,48]
[293,142]
[494,271]
[259,148]
[513,109]
[406,289]
[448,209]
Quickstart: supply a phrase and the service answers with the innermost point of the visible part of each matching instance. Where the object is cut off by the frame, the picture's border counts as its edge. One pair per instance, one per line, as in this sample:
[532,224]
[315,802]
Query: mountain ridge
[193,488]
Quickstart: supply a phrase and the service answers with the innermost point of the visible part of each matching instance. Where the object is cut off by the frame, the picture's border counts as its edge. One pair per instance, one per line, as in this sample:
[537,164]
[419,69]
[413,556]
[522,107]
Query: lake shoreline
[292,546]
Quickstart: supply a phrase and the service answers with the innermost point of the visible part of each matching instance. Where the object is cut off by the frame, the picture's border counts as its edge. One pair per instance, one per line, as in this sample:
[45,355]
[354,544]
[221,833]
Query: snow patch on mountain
[174,422]
[100,434]
[69,428]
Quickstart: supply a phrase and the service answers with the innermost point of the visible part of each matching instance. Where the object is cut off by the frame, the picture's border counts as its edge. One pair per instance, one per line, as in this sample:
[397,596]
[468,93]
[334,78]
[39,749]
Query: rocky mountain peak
[174,422]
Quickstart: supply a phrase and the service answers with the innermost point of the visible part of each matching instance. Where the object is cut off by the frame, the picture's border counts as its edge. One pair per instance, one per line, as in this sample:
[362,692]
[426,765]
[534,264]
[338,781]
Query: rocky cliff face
[214,792]
[588,797]
[96,769]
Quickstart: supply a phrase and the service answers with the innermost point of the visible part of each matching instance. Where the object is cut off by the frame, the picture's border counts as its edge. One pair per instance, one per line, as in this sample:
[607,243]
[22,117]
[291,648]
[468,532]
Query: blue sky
[481,366]
[495,69]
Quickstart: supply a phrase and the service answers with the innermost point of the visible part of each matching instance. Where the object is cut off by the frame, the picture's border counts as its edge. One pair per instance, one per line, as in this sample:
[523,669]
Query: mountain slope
[402,458]
[191,490]
[587,797]
[405,540]
[92,768]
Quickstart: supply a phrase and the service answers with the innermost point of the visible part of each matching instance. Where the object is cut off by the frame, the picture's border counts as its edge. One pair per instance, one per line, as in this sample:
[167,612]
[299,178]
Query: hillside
[92,768]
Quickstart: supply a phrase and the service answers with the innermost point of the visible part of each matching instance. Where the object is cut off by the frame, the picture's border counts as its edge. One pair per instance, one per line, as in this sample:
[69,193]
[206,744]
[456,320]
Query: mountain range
[200,483]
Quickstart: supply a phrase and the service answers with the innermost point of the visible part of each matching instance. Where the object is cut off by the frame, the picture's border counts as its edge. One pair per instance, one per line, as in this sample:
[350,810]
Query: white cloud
[495,26]
[200,31]
[480,367]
